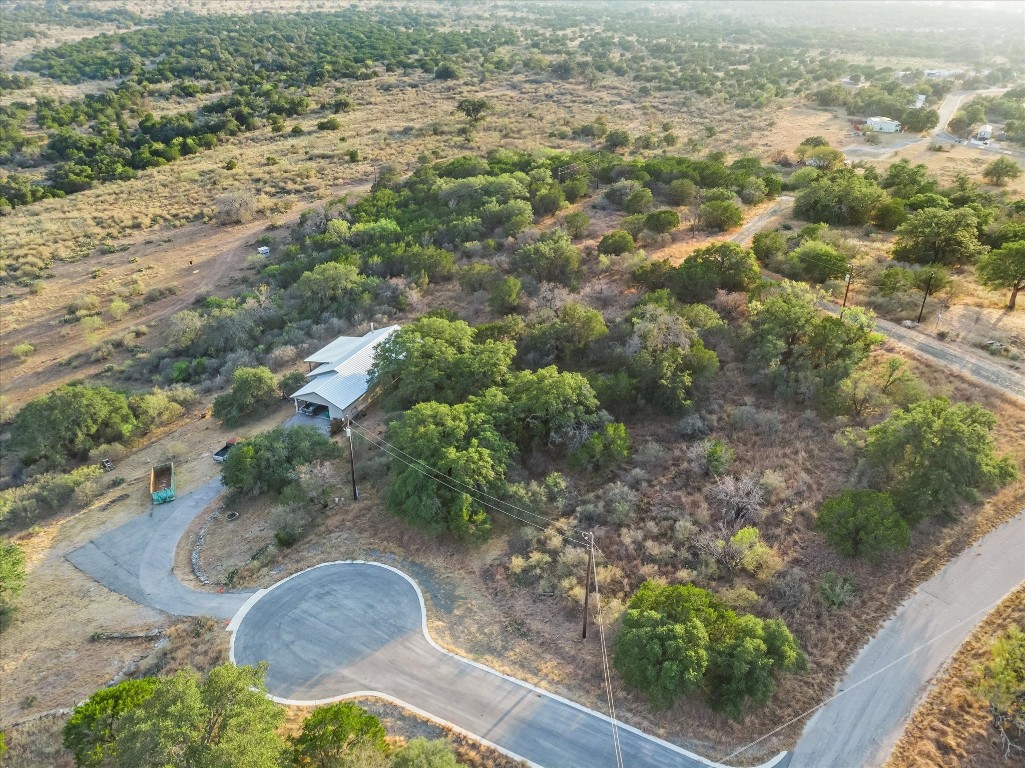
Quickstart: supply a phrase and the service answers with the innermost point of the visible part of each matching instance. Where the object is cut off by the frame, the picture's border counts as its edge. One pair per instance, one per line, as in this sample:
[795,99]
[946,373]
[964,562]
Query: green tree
[617,139]
[553,258]
[95,724]
[932,454]
[889,213]
[577,223]
[843,198]
[798,351]
[549,408]
[474,108]
[639,201]
[934,236]
[1004,268]
[421,753]
[332,731]
[1001,170]
[681,192]
[745,653]
[1001,685]
[433,359]
[12,576]
[662,221]
[224,721]
[69,422]
[904,180]
[266,462]
[467,458]
[616,242]
[725,266]
[662,656]
[605,448]
[253,391]
[863,523]
[291,382]
[919,120]
[769,245]
[820,262]
[720,215]
[505,295]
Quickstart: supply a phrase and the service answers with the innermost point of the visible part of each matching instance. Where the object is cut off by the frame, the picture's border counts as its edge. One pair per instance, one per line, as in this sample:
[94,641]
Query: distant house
[984,132]
[919,101]
[882,125]
[339,374]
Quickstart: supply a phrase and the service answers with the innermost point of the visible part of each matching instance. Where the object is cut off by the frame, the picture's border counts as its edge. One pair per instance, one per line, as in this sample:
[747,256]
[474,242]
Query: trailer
[161,483]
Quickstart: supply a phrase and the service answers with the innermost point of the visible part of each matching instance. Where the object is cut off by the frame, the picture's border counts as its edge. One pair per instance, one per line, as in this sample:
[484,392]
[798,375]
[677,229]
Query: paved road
[136,559]
[861,727]
[342,629]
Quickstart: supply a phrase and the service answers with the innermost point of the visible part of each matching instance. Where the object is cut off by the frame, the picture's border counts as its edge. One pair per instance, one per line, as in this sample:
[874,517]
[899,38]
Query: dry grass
[951,728]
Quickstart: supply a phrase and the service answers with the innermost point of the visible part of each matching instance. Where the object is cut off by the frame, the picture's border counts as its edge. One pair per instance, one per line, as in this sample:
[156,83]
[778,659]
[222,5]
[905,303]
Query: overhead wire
[436,475]
[606,670]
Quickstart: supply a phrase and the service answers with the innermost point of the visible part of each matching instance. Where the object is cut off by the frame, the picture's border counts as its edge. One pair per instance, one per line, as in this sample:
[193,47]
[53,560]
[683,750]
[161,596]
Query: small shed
[984,132]
[882,125]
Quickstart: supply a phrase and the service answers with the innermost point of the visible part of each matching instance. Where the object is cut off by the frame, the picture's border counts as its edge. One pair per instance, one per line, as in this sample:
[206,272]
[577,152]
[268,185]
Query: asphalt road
[342,629]
[861,727]
[136,559]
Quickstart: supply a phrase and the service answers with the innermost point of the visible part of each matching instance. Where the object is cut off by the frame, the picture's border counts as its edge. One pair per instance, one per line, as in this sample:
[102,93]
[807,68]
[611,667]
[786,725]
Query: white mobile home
[984,132]
[339,375]
[882,125]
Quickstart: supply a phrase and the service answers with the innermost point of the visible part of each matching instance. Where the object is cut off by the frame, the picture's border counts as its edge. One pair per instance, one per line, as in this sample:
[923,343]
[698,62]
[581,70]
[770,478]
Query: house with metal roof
[339,377]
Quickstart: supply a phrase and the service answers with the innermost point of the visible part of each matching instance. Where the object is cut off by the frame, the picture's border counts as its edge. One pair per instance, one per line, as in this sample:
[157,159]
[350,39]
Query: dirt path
[199,259]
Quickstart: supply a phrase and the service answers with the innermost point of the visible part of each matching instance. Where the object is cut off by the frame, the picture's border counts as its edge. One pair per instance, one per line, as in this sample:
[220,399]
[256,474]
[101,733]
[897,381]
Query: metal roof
[344,379]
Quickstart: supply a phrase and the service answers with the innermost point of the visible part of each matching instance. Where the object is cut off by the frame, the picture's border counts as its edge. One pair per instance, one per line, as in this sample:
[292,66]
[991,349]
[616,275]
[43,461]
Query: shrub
[836,590]
[12,576]
[863,523]
[639,201]
[577,223]
[266,462]
[252,390]
[738,499]
[330,732]
[662,221]
[605,448]
[615,243]
[23,351]
[718,457]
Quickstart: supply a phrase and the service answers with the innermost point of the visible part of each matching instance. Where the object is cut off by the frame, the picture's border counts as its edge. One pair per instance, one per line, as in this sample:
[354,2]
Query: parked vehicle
[161,483]
[222,454]
[313,409]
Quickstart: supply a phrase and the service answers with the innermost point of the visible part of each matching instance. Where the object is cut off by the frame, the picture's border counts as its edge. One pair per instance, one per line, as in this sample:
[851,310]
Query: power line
[862,681]
[466,488]
[433,474]
[606,670]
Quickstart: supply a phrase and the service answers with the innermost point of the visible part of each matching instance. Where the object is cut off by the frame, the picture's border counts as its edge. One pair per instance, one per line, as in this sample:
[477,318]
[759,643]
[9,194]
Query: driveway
[136,559]
[340,630]
[892,673]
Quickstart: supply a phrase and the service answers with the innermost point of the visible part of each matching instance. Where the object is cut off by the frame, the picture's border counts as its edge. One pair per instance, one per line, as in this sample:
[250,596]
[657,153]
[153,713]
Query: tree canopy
[1004,268]
[863,522]
[266,462]
[678,638]
[253,391]
[935,236]
[330,732]
[433,359]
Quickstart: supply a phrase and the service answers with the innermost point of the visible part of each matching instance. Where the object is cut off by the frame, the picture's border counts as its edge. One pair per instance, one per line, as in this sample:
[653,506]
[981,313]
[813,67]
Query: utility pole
[928,285]
[587,579]
[848,278]
[352,457]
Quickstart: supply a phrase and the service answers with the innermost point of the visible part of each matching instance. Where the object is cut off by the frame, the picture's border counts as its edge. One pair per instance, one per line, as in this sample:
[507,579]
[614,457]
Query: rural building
[339,373]
[984,132]
[882,125]
[919,101]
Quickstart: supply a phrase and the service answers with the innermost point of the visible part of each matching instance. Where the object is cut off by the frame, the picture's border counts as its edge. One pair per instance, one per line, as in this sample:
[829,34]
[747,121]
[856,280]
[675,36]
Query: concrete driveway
[136,559]
[340,630]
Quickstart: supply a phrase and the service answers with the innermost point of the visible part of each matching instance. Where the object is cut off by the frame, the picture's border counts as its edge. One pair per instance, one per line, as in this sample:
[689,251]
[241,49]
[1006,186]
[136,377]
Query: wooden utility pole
[843,307]
[352,457]
[928,285]
[587,579]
